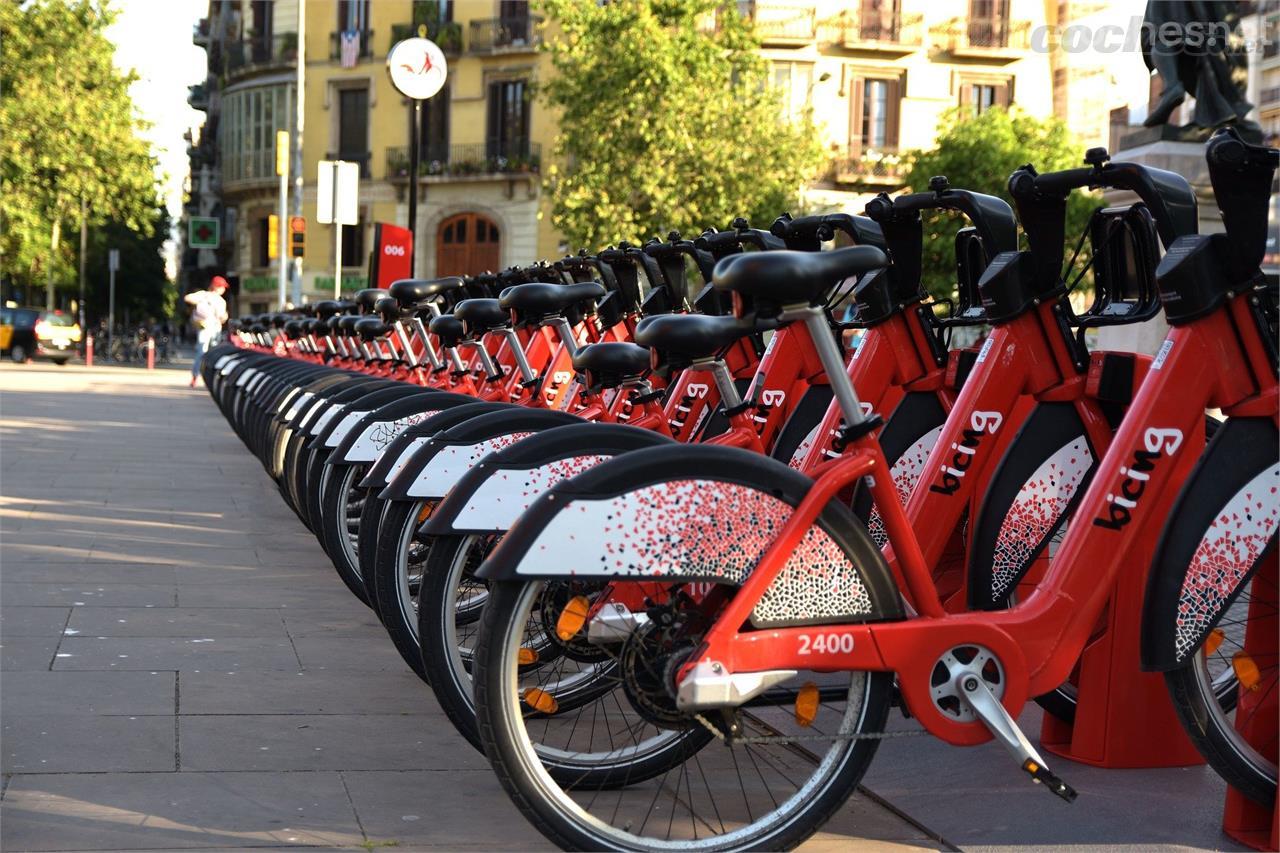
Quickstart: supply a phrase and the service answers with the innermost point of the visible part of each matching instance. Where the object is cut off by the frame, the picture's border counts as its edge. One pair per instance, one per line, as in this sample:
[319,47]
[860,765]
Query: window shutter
[1005,93]
[966,95]
[855,116]
[893,101]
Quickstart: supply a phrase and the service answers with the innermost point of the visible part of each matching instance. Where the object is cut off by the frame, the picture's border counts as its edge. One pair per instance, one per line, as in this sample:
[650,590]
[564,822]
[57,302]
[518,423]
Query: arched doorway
[466,244]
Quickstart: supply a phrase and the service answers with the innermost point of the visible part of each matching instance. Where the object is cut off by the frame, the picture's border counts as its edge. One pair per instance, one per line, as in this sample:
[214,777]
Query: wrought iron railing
[879,166]
[982,34]
[365,50]
[862,26]
[514,32]
[469,160]
[781,22]
[257,51]
[446,34]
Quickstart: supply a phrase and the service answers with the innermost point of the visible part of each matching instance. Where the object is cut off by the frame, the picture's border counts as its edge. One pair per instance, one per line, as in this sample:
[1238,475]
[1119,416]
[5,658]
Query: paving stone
[320,592]
[60,692]
[83,572]
[216,622]
[18,653]
[349,653]
[151,811]
[248,692]
[33,621]
[62,743]
[89,594]
[351,620]
[324,742]
[178,653]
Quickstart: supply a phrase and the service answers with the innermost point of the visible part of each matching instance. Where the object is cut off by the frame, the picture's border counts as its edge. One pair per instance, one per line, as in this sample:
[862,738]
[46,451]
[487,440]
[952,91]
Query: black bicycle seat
[347,323]
[787,277]
[691,336]
[538,300]
[369,328]
[481,315]
[316,327]
[367,297]
[448,329]
[411,291]
[608,364]
[388,309]
[326,309]
[293,329]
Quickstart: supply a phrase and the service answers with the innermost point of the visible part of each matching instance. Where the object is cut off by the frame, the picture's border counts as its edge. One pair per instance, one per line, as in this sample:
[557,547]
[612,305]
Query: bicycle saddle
[692,336]
[367,297]
[369,328]
[316,327]
[327,308]
[347,323]
[388,309]
[787,277]
[481,315]
[537,300]
[448,329]
[608,364]
[411,291]
[293,329]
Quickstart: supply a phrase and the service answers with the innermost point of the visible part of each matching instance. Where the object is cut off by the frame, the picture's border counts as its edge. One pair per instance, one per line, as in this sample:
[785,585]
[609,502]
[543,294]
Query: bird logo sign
[417,67]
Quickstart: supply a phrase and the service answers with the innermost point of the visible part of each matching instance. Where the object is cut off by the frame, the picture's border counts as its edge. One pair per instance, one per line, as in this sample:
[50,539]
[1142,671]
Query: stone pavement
[183,669]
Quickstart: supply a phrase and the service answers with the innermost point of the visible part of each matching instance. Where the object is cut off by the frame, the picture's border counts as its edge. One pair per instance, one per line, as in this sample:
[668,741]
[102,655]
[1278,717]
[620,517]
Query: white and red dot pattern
[797,458]
[1037,510]
[905,473]
[500,499]
[704,529]
[1224,556]
[444,470]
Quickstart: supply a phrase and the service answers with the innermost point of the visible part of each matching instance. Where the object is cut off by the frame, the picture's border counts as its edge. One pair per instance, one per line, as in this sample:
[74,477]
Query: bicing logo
[981,425]
[1156,444]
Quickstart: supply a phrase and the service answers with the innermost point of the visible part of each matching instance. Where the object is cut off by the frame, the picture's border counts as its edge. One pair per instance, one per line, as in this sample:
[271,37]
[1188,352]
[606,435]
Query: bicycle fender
[492,494]
[401,450]
[363,401]
[702,514]
[1037,483]
[437,465]
[375,431]
[906,439]
[1222,527]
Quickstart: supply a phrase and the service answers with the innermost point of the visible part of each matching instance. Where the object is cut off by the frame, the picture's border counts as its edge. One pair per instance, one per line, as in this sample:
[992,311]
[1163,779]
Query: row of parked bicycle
[668,547]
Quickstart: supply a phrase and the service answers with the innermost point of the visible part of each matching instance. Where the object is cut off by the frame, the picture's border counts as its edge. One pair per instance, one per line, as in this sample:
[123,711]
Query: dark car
[26,333]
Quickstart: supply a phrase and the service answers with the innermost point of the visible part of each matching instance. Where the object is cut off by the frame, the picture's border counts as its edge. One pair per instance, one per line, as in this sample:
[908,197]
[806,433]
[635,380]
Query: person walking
[208,313]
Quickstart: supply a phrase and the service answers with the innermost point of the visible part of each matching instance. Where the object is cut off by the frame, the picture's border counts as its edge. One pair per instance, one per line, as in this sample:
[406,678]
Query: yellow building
[878,75]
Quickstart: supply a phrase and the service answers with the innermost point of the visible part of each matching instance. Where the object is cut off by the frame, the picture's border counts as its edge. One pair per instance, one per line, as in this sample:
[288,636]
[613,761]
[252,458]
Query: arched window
[467,244]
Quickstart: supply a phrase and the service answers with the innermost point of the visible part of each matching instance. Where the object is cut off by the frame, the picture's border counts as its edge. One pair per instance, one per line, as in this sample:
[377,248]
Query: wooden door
[467,244]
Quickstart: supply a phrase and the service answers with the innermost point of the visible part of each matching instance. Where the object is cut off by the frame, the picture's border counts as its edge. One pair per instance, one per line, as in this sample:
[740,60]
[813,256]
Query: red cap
[218,283]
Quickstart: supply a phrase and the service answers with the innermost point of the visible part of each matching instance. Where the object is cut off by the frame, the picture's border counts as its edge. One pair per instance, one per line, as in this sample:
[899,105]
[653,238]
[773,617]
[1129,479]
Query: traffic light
[282,152]
[297,236]
[273,236]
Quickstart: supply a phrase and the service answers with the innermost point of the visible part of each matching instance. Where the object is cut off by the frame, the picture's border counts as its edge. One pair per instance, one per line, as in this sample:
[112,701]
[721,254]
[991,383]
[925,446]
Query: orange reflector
[572,618]
[807,704]
[427,509]
[1214,640]
[1246,670]
[528,656]
[540,700]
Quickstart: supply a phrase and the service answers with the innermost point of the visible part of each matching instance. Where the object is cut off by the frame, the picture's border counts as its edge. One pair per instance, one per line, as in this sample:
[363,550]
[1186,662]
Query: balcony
[996,39]
[1269,98]
[446,34]
[198,97]
[513,34]
[364,50]
[474,161]
[880,168]
[361,157]
[200,33]
[260,53]
[781,24]
[894,33]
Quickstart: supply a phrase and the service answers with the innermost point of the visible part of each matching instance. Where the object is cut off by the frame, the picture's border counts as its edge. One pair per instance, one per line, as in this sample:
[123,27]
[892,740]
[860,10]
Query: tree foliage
[980,153]
[666,121]
[143,289]
[68,130]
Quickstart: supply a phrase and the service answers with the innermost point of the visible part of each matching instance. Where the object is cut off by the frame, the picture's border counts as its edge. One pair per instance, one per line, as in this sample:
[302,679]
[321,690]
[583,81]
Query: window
[247,131]
[262,231]
[988,23]
[433,133]
[353,15]
[353,243]
[979,95]
[353,127]
[875,106]
[879,20]
[794,82]
[508,133]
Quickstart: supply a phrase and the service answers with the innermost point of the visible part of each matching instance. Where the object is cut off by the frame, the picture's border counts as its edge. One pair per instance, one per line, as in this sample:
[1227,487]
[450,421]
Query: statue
[1187,42]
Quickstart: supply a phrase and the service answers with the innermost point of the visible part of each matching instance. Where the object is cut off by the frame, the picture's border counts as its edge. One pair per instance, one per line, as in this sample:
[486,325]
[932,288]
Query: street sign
[113,260]
[273,236]
[337,189]
[417,68]
[203,233]
[297,236]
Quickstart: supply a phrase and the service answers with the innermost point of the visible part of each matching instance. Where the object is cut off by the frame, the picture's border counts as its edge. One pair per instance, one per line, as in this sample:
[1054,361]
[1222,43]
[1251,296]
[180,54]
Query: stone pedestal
[1187,159]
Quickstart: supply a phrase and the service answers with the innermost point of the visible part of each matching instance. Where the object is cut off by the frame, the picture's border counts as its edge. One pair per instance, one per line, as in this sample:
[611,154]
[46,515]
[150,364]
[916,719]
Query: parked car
[27,333]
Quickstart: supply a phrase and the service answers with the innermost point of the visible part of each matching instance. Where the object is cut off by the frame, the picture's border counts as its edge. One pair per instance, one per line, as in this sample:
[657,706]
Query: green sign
[259,283]
[203,232]
[350,283]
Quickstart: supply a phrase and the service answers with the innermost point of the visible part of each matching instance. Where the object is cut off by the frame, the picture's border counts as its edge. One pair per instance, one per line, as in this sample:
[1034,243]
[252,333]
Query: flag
[350,51]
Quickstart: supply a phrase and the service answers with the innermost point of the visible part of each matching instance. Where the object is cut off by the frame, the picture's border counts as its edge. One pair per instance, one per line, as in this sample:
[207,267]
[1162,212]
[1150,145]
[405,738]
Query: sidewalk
[182,667]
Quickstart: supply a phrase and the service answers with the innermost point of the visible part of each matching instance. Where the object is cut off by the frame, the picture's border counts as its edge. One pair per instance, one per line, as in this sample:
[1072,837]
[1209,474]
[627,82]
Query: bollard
[88,351]
[151,354]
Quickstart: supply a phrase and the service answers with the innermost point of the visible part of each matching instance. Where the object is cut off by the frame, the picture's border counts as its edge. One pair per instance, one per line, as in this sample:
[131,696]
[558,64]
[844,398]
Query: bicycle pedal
[1042,775]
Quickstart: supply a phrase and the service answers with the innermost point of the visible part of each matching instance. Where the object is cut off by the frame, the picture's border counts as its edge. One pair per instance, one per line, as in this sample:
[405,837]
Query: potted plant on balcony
[289,47]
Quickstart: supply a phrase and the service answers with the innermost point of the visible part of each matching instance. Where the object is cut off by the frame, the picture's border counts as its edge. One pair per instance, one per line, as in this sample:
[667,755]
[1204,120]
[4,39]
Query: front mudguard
[700,514]
[373,433]
[437,465]
[400,451]
[1222,528]
[495,491]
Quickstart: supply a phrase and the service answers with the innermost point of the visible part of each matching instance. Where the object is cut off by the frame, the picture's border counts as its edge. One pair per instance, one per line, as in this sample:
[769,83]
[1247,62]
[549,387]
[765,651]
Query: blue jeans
[204,342]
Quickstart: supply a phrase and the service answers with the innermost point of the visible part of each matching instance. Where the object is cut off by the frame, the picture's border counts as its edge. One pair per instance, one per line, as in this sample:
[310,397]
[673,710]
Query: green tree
[666,121]
[68,131]
[980,153]
[143,289]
